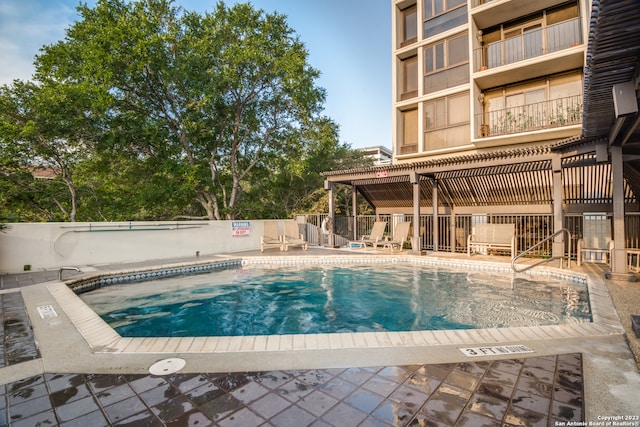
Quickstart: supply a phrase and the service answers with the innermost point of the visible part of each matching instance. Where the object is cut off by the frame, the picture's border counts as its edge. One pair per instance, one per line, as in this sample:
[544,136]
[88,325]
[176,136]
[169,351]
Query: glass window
[410,77]
[428,60]
[439,52]
[458,50]
[410,17]
[459,109]
[410,127]
[445,21]
[448,111]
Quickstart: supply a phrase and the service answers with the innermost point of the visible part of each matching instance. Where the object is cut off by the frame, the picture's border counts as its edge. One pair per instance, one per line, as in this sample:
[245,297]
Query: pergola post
[557,249]
[619,255]
[452,230]
[329,186]
[435,215]
[354,209]
[416,245]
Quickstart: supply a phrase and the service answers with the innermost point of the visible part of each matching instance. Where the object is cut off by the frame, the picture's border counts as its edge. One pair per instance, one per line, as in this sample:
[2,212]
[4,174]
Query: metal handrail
[67,268]
[515,258]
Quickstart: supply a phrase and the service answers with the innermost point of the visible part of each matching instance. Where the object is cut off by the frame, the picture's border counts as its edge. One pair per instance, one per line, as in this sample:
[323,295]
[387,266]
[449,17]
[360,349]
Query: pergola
[596,171]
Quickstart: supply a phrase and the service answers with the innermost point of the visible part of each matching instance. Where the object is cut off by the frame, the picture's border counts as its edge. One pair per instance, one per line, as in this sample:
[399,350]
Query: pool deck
[81,373]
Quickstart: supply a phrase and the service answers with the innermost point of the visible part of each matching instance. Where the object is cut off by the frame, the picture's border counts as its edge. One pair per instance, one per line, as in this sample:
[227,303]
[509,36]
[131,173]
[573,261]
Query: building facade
[473,76]
[512,111]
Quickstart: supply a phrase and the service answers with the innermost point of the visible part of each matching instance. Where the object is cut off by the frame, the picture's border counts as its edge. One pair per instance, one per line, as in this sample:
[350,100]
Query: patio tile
[317,403]
[469,419]
[338,388]
[193,418]
[204,394]
[564,412]
[488,406]
[30,407]
[221,407]
[146,419]
[242,418]
[364,400]
[75,408]
[338,414]
[47,418]
[171,409]
[293,416]
[95,418]
[249,393]
[115,394]
[294,390]
[159,394]
[409,397]
[531,401]
[124,409]
[269,405]
[394,413]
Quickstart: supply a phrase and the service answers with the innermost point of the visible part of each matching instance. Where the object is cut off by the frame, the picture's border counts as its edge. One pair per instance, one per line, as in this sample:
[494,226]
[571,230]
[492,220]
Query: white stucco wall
[51,245]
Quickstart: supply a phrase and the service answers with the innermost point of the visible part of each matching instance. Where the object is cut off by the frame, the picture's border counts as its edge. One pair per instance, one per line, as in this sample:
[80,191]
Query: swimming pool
[258,299]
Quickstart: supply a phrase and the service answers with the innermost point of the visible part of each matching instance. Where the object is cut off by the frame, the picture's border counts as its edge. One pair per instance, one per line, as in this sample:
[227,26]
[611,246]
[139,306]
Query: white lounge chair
[488,237]
[596,244]
[292,236]
[400,235]
[270,236]
[376,235]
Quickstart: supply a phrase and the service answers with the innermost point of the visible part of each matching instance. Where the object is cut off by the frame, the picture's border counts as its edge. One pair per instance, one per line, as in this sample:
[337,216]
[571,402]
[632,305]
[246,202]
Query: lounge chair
[270,236]
[400,235]
[596,242]
[376,235]
[292,236]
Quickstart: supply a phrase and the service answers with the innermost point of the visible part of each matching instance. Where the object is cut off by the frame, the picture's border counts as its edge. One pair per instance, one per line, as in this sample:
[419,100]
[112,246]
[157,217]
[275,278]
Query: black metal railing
[529,45]
[540,115]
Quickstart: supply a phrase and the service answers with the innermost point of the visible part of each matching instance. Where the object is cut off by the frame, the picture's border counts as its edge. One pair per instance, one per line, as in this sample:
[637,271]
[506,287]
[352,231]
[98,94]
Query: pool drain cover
[167,366]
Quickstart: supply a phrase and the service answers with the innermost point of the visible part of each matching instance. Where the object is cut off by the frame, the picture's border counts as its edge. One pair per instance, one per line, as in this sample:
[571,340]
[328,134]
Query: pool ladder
[67,268]
[527,267]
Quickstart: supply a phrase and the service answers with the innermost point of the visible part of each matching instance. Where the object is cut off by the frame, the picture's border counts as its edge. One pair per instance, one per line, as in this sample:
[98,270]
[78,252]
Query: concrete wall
[51,245]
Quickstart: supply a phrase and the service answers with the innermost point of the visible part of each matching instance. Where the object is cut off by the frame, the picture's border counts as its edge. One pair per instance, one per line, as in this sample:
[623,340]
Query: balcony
[525,118]
[529,45]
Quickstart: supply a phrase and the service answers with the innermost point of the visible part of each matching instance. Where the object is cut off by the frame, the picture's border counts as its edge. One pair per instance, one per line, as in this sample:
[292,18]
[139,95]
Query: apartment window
[409,137]
[443,15]
[445,112]
[409,78]
[409,26]
[437,7]
[446,121]
[446,63]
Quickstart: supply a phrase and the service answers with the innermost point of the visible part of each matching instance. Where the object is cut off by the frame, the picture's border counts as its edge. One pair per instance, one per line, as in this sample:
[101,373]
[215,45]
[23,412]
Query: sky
[349,42]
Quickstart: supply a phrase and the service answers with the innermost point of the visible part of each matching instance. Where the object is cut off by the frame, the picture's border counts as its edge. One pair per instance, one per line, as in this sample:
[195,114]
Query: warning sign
[240,228]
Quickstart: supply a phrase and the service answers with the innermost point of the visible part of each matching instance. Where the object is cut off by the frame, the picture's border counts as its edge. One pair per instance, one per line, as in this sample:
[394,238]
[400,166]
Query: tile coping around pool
[104,339]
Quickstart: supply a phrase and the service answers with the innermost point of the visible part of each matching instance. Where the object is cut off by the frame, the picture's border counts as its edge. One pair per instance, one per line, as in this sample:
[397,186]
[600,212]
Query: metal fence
[453,235]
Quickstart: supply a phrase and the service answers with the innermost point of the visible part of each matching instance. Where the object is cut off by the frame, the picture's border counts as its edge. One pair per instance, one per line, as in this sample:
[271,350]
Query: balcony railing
[529,45]
[540,115]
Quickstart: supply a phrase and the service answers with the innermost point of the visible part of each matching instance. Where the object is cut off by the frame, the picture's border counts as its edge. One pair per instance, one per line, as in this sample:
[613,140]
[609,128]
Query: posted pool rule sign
[240,228]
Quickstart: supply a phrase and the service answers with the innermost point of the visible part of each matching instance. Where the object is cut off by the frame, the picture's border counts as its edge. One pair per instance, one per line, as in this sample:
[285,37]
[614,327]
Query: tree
[46,127]
[226,90]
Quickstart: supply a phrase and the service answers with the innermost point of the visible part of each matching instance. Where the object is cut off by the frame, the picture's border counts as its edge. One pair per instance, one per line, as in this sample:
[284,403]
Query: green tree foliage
[45,129]
[147,111]
[225,89]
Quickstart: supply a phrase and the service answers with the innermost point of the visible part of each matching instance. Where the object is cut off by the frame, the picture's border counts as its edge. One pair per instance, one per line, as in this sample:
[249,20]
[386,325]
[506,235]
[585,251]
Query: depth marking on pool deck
[500,350]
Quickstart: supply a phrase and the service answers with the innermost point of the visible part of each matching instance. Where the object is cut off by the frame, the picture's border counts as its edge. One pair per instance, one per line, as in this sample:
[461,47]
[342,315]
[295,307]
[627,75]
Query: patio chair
[375,235]
[400,235]
[596,242]
[292,236]
[270,236]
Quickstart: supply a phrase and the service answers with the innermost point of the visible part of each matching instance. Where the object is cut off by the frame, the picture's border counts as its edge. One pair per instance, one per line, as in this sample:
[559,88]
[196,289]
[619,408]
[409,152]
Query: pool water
[259,300]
